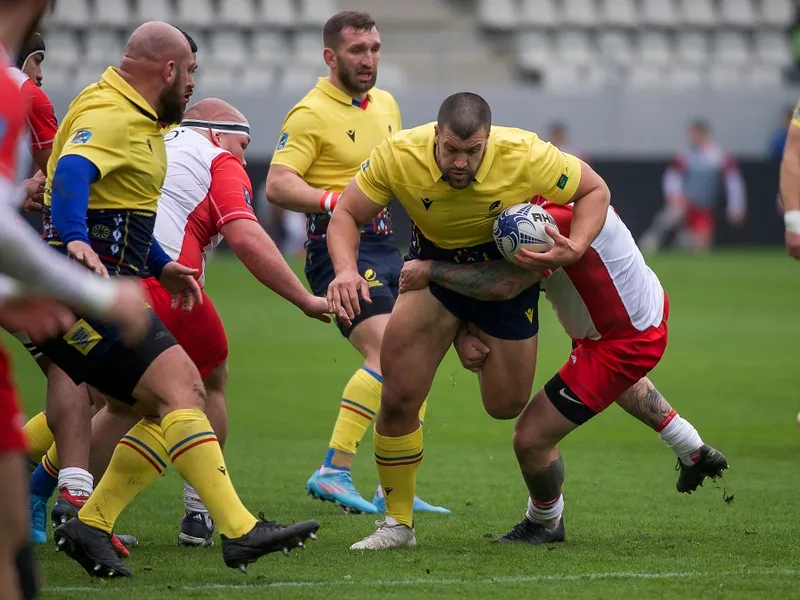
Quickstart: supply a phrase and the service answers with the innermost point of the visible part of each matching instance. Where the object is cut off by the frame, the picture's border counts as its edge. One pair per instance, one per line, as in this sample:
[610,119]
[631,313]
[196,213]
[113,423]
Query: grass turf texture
[731,368]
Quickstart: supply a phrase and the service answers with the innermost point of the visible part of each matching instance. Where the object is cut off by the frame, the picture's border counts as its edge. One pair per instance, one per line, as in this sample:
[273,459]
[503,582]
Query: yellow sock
[197,456]
[360,401]
[398,459]
[38,437]
[50,461]
[139,458]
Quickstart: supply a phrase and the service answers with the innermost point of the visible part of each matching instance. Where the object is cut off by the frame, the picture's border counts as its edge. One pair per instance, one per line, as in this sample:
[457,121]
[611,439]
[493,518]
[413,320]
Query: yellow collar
[331,90]
[486,163]
[115,80]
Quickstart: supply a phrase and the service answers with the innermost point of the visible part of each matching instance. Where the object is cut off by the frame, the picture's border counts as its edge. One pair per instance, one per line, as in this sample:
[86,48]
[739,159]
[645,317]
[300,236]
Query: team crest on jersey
[248,198]
[282,142]
[83,136]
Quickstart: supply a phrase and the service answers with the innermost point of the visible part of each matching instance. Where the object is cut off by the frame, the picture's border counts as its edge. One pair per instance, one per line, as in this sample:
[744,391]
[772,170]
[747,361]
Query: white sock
[546,513]
[191,500]
[77,481]
[682,438]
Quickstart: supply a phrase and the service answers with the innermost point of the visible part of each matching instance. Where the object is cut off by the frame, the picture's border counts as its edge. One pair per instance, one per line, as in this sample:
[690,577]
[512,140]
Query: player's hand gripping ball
[523,226]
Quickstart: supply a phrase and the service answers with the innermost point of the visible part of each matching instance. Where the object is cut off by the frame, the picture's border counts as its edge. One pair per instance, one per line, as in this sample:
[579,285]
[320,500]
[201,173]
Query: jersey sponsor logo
[529,314]
[365,165]
[495,206]
[426,202]
[352,135]
[248,198]
[562,181]
[282,142]
[81,137]
[83,337]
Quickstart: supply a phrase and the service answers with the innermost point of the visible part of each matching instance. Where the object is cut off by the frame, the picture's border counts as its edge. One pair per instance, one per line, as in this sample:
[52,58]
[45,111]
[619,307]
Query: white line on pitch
[447,582]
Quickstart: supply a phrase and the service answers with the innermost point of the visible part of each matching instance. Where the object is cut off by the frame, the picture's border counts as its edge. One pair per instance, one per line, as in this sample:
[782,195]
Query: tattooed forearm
[643,401]
[488,280]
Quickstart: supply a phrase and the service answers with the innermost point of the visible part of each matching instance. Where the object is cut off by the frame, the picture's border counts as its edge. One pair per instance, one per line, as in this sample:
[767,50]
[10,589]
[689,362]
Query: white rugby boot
[390,534]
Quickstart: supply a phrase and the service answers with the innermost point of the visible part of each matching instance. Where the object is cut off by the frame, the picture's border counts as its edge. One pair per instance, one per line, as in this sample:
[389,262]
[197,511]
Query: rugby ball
[522,226]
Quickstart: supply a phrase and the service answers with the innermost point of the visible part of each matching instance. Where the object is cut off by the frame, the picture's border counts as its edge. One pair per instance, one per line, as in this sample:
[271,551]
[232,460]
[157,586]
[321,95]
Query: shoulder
[310,107]
[382,98]
[409,139]
[518,141]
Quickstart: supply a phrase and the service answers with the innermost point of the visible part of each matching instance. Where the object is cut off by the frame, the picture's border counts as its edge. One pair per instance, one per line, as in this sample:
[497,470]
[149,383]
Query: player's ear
[170,71]
[329,56]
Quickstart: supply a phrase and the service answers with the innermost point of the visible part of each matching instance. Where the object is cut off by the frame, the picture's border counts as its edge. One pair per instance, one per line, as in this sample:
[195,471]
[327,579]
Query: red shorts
[598,372]
[199,332]
[11,418]
[699,220]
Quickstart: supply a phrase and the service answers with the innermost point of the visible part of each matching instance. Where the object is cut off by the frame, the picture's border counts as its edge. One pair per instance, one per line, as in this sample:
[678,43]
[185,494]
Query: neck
[338,84]
[148,92]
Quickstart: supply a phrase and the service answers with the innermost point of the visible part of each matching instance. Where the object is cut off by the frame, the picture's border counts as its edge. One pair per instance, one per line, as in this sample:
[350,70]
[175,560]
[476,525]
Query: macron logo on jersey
[365,165]
[83,136]
[282,142]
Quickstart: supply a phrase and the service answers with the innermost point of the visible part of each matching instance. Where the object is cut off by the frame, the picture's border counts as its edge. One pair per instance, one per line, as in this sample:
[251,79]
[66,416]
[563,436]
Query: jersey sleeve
[300,141]
[99,135]
[376,175]
[554,174]
[231,194]
[41,119]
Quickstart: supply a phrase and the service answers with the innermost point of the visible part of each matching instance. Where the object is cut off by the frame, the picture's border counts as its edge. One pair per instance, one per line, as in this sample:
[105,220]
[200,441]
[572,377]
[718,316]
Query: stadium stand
[549,43]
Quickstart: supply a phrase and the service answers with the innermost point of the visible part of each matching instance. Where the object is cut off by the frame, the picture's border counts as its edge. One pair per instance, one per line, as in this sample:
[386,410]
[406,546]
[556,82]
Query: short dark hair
[190,39]
[700,125]
[465,114]
[348,19]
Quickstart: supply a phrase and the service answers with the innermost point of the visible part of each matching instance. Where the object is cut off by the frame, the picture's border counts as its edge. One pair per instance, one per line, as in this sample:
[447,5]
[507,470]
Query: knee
[506,411]
[399,403]
[527,440]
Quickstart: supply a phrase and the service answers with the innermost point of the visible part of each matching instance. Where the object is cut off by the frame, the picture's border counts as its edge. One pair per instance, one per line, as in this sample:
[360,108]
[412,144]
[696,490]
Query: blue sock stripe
[377,376]
[189,439]
[329,465]
[359,406]
[399,458]
[148,449]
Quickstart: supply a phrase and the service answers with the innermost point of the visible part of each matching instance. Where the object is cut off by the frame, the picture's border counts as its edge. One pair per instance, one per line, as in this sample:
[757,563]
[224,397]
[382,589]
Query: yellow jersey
[326,137]
[114,127]
[516,166]
[796,115]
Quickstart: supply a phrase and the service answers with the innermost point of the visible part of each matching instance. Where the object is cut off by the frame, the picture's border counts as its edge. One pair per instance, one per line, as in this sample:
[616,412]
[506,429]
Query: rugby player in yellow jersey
[324,140]
[790,187]
[453,177]
[104,180]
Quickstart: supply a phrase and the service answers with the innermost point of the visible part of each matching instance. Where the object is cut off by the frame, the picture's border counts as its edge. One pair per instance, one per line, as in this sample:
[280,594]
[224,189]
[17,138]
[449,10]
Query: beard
[171,104]
[352,85]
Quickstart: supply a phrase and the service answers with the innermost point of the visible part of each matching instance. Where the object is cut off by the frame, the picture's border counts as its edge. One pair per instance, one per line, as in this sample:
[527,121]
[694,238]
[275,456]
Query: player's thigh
[367,337]
[417,336]
[509,329]
[171,382]
[506,378]
[541,426]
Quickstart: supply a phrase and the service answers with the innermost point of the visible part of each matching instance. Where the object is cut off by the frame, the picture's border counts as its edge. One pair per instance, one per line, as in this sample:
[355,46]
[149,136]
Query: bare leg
[13,521]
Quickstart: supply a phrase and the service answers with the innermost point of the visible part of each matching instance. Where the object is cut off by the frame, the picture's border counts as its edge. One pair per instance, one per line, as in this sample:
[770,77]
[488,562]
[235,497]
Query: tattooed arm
[643,401]
[488,280]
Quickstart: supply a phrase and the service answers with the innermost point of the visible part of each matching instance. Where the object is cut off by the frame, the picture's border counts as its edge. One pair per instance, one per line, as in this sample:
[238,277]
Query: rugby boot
[66,507]
[534,533]
[37,510]
[197,529]
[419,504]
[337,487]
[91,548]
[711,463]
[264,538]
[389,534]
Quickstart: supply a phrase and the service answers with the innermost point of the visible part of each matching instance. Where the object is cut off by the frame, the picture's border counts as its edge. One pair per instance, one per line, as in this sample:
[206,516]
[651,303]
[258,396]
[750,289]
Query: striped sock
[546,513]
[398,460]
[197,456]
[139,458]
[360,402]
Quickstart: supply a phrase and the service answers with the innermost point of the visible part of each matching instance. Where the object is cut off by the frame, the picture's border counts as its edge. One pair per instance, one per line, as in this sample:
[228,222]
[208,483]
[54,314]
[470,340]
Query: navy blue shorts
[379,262]
[92,352]
[514,319]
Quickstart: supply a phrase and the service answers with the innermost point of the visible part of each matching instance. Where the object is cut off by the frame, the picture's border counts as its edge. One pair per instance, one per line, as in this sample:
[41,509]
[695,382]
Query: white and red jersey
[610,292]
[205,188]
[13,134]
[41,117]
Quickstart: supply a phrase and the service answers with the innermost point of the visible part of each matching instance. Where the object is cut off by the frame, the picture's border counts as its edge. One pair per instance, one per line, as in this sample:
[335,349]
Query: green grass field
[731,369]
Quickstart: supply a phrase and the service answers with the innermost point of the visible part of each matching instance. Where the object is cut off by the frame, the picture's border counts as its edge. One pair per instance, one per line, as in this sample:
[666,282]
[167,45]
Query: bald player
[104,180]
[324,140]
[207,197]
